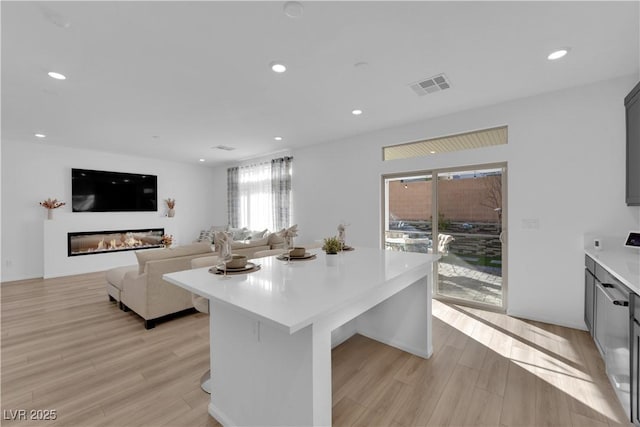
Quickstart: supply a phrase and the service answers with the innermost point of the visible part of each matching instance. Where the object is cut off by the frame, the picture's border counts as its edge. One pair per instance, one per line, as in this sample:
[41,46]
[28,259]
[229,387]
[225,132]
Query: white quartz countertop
[295,295]
[620,261]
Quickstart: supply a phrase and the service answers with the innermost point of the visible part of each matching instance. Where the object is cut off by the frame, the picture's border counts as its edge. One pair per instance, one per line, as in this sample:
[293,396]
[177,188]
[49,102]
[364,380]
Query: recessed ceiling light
[356,112]
[56,76]
[278,67]
[293,9]
[557,54]
[40,135]
[277,138]
[202,160]
[432,152]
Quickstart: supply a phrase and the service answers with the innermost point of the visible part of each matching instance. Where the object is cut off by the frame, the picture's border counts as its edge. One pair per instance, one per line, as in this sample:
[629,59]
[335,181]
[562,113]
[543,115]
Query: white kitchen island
[270,330]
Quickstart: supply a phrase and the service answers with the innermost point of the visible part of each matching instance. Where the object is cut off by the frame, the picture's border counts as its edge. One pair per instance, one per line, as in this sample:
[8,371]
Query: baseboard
[400,345]
[524,316]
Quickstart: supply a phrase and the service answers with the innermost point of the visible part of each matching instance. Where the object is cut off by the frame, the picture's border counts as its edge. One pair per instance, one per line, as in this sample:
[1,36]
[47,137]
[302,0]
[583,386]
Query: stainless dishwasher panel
[612,336]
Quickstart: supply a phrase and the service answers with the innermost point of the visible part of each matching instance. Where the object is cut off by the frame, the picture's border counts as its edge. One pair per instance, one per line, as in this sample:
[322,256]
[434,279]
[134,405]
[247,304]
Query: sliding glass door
[460,214]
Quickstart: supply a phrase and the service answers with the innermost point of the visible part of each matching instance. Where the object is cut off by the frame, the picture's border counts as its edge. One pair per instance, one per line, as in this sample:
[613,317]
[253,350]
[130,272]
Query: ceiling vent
[431,85]
[224,147]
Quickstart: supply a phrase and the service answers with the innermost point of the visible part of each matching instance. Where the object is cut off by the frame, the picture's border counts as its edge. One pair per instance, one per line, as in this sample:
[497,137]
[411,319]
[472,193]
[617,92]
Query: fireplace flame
[131,241]
[84,243]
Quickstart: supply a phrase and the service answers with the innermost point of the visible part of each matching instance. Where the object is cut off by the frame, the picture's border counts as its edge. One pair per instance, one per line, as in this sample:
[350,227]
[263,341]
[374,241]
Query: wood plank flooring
[66,348]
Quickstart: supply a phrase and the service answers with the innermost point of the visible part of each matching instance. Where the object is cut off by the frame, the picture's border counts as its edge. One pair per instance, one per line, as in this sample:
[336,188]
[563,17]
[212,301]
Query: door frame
[434,226]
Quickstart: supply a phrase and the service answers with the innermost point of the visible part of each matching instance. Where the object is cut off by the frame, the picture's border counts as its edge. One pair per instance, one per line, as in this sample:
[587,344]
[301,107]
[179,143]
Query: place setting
[235,264]
[296,254]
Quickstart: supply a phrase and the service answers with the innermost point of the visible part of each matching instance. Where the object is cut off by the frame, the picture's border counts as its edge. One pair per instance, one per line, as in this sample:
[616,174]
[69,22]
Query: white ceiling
[173,79]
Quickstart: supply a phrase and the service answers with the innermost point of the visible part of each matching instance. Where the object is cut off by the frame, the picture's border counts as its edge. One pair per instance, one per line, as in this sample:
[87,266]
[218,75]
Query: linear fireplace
[100,242]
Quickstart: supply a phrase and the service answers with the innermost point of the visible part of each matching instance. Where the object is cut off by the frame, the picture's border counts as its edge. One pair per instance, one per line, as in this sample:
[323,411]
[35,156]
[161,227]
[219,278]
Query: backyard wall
[464,200]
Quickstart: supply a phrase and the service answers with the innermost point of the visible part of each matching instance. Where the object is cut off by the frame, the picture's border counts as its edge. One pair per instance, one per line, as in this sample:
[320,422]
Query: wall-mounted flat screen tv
[103,191]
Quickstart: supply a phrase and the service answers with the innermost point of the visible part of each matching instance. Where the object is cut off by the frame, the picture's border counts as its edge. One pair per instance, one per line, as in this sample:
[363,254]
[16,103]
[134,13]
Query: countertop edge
[601,257]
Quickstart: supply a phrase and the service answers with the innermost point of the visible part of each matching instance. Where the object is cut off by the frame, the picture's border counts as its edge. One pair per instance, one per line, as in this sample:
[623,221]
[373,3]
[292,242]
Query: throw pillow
[239,233]
[206,236]
[253,235]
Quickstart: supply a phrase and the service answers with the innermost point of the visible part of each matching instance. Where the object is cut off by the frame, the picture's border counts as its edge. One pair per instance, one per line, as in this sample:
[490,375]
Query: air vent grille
[431,85]
[224,147]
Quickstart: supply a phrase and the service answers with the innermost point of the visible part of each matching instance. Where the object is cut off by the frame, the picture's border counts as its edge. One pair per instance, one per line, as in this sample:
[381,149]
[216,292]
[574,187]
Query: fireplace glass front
[100,242]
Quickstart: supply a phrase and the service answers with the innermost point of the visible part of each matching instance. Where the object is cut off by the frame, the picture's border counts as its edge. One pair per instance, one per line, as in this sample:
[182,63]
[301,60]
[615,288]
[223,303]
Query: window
[459,142]
[259,195]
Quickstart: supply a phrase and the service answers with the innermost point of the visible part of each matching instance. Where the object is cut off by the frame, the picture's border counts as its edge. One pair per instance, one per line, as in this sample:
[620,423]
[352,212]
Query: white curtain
[255,200]
[281,192]
[259,195]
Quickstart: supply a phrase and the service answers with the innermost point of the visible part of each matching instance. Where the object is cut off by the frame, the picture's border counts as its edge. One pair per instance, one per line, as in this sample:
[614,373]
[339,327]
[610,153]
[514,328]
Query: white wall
[566,157]
[566,168]
[32,172]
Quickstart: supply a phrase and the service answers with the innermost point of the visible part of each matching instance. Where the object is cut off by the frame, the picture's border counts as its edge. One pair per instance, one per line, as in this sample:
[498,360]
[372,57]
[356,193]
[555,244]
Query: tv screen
[102,191]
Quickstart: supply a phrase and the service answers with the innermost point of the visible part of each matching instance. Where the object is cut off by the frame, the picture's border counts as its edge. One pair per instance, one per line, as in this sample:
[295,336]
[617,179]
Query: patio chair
[444,240]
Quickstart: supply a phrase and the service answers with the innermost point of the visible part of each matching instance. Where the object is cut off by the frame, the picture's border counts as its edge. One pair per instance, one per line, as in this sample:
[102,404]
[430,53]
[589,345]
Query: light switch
[531,223]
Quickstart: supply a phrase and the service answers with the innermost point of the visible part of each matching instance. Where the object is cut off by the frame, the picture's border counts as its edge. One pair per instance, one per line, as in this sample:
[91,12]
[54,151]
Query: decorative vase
[332,260]
[171,213]
[49,213]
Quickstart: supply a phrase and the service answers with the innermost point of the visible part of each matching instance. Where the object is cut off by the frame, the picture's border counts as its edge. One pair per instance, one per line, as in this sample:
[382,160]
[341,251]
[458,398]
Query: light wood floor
[66,347]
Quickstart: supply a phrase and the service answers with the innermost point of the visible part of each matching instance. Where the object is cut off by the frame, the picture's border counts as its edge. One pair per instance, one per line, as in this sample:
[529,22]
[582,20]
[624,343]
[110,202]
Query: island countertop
[292,296]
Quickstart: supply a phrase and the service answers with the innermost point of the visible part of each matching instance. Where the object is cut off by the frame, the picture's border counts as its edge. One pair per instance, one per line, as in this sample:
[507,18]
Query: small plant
[52,204]
[332,245]
[443,223]
[171,203]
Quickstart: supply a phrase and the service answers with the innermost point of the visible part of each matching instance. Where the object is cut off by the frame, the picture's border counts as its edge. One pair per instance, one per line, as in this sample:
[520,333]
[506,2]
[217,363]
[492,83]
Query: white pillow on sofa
[254,235]
[251,243]
[239,233]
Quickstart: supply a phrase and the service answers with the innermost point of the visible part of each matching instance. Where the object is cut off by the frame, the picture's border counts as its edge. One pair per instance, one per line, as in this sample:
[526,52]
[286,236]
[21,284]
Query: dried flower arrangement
[171,203]
[52,204]
[167,239]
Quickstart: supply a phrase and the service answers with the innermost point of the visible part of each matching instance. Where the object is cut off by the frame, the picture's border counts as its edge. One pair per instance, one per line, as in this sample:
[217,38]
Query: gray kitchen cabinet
[632,105]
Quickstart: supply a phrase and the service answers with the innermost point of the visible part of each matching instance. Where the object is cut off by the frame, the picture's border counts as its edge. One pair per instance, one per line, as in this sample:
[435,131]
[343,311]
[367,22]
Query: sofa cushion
[250,244]
[207,261]
[255,235]
[115,275]
[179,251]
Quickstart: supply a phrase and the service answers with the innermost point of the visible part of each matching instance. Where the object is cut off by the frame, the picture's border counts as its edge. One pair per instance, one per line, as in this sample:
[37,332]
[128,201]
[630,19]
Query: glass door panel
[408,218]
[469,230]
